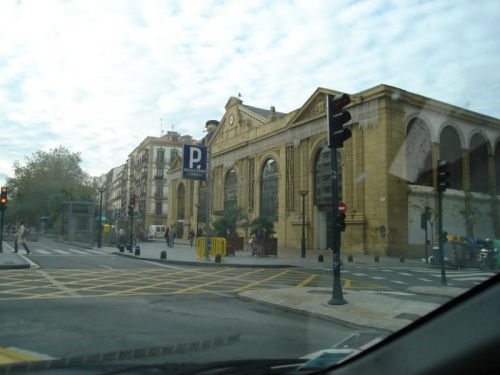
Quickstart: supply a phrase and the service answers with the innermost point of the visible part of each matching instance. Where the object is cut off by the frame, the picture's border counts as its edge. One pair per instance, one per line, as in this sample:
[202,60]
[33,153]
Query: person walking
[167,235]
[191,237]
[171,236]
[21,238]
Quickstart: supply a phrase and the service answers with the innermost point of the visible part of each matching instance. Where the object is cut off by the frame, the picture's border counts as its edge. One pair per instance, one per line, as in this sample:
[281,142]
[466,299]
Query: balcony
[160,161]
[159,177]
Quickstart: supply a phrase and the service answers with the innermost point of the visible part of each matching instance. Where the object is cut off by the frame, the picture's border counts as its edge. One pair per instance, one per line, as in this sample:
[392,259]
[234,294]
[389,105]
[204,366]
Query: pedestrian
[21,238]
[167,236]
[171,236]
[191,237]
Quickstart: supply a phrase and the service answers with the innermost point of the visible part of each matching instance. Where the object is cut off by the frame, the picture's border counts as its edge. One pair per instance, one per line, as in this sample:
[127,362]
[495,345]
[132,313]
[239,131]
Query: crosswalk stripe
[427,280]
[61,251]
[77,251]
[43,251]
[97,252]
[397,282]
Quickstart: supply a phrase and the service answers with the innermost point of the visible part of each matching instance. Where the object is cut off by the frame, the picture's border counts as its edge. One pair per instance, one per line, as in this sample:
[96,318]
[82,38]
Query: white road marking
[405,274]
[397,282]
[77,251]
[97,252]
[427,280]
[371,343]
[58,284]
[378,278]
[61,251]
[108,267]
[42,251]
[360,274]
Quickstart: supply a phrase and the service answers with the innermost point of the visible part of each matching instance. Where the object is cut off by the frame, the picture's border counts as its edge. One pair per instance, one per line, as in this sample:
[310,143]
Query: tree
[265,224]
[47,179]
[234,217]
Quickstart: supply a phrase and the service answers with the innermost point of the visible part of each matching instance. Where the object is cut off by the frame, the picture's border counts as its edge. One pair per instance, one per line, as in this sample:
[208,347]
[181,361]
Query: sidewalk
[364,309]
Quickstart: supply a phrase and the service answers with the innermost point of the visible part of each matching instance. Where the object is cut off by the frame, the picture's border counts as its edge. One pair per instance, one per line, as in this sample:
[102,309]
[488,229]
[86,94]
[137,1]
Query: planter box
[270,247]
[233,244]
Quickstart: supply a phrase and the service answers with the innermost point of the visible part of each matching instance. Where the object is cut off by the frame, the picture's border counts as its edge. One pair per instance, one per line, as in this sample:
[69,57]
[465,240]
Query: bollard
[401,259]
[122,248]
[163,255]
[349,258]
[376,258]
[217,258]
[320,258]
[137,250]
[129,248]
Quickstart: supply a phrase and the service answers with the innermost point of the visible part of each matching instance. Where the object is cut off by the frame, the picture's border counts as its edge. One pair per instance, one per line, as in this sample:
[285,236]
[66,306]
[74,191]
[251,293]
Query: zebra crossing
[66,252]
[407,275]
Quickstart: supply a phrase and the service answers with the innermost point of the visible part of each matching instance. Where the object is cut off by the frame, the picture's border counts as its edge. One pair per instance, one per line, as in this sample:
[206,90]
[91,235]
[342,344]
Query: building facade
[261,159]
[147,168]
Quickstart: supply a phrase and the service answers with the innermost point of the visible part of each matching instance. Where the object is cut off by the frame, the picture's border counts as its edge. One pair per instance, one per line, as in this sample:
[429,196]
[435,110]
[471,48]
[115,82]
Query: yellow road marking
[11,356]
[218,281]
[306,281]
[164,283]
[261,281]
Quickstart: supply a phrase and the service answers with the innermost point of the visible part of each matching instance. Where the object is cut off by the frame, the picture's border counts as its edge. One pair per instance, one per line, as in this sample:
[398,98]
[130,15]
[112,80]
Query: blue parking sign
[194,162]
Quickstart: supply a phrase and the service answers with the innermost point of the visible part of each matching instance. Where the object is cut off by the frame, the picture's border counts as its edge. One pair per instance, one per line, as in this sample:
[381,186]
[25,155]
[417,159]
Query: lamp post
[303,247]
[101,191]
[197,216]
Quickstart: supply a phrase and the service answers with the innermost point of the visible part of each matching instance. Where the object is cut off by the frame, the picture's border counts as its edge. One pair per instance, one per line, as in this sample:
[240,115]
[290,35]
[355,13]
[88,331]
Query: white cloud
[97,76]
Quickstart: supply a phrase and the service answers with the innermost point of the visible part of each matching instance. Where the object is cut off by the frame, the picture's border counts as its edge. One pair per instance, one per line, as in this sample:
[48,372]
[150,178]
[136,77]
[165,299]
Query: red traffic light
[3,199]
[340,101]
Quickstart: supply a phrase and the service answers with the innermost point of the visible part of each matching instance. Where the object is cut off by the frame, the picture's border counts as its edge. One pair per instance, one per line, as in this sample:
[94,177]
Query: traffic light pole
[2,209]
[131,229]
[337,295]
[441,237]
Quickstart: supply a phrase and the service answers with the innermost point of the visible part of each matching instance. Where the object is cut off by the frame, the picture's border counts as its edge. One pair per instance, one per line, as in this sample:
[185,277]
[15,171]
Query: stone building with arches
[261,159]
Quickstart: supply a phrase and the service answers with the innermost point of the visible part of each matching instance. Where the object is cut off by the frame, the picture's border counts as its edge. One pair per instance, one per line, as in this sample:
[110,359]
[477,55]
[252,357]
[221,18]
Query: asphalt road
[87,303]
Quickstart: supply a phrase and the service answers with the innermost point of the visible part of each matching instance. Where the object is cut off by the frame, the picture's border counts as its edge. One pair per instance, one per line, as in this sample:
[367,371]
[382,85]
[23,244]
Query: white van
[157,231]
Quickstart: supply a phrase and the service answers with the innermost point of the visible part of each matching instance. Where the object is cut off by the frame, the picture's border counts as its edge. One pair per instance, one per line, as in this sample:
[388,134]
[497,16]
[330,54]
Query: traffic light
[336,118]
[423,221]
[131,206]
[341,221]
[443,174]
[3,199]
[427,213]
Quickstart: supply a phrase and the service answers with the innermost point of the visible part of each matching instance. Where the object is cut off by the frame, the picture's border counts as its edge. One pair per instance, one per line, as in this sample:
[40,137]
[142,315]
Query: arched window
[181,202]
[450,150]
[323,177]
[418,153]
[270,188]
[478,164]
[231,189]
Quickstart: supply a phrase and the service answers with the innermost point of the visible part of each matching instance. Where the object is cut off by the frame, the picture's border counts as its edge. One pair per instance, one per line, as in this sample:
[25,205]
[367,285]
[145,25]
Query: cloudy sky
[98,76]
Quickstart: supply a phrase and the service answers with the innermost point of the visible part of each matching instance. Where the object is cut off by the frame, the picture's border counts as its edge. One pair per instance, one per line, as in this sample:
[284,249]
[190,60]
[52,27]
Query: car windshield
[195,182]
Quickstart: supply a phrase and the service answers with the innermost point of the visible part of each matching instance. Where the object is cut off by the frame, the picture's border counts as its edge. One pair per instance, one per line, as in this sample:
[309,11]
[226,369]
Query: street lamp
[101,190]
[303,248]
[197,216]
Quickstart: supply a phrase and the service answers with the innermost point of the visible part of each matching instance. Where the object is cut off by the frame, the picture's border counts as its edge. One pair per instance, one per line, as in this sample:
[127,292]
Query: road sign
[342,208]
[194,162]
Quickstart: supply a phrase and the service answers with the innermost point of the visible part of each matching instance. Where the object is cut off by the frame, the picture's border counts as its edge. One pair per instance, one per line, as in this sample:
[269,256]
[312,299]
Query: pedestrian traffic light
[443,174]
[3,199]
[341,221]
[336,118]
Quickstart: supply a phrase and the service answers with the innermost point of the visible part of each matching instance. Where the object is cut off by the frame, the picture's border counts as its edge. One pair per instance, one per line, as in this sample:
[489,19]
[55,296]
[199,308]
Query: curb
[332,319]
[203,263]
